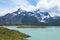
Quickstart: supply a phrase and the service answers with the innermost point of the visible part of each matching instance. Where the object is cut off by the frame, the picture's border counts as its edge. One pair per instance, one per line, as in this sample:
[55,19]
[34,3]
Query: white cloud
[25,5]
[14,5]
[52,6]
[46,4]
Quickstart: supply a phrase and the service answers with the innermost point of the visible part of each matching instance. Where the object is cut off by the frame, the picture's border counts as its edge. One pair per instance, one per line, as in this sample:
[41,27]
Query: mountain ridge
[36,17]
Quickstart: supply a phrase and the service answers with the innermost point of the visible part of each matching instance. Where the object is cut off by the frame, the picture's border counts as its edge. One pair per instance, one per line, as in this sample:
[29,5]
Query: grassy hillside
[6,34]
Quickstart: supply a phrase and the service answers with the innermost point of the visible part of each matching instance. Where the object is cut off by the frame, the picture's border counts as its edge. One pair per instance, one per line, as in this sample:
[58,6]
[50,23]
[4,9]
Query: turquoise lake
[50,33]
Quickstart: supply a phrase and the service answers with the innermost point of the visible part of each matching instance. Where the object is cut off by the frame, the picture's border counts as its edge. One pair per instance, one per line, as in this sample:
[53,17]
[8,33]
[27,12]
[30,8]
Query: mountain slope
[36,17]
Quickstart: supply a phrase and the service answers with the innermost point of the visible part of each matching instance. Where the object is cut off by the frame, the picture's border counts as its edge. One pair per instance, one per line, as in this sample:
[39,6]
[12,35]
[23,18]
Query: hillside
[6,34]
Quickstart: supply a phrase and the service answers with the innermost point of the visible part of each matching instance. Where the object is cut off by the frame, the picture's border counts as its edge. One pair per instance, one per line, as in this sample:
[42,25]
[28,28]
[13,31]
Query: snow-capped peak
[41,16]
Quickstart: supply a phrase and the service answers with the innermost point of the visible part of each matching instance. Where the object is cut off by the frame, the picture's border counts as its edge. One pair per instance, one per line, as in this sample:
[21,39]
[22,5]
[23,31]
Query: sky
[9,6]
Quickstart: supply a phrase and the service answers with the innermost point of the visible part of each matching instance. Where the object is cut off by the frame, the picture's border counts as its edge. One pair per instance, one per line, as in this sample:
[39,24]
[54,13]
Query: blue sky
[8,6]
[33,2]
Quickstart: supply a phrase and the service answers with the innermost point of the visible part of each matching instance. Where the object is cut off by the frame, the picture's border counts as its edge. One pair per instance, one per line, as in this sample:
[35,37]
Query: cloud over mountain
[7,6]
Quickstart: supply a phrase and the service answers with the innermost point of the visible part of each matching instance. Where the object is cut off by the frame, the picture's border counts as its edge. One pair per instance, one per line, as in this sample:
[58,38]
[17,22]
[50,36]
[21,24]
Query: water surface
[50,33]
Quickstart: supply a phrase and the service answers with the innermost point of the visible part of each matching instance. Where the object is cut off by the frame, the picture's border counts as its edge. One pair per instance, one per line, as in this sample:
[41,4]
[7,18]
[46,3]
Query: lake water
[50,33]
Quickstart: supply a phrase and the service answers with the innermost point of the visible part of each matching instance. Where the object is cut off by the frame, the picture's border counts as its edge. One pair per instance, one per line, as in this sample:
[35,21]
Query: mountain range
[36,17]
